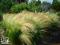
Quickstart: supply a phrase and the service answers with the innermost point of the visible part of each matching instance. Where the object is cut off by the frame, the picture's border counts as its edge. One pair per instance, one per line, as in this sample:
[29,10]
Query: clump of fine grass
[27,28]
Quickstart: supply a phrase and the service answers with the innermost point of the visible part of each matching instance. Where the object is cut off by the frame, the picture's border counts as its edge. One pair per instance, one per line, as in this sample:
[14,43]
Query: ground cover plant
[28,28]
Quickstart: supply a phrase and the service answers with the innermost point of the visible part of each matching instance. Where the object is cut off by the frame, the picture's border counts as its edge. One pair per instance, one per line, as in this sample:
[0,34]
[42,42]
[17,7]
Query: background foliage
[56,5]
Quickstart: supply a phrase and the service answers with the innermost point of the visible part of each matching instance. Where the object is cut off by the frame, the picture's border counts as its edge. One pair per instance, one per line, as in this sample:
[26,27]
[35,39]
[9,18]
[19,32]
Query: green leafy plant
[5,5]
[56,5]
[34,6]
[18,7]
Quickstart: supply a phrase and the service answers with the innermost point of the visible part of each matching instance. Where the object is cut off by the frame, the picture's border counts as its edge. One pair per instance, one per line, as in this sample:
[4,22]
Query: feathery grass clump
[27,28]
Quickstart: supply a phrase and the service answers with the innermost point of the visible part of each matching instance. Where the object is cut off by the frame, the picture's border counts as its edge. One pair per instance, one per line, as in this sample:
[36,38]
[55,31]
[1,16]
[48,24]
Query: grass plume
[27,25]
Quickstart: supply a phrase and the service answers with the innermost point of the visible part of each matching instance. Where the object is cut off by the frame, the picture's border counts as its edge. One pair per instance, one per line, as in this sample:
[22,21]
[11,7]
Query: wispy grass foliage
[27,28]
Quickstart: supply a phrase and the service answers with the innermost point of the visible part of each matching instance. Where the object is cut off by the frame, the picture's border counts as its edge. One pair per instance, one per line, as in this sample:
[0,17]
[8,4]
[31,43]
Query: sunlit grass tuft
[29,25]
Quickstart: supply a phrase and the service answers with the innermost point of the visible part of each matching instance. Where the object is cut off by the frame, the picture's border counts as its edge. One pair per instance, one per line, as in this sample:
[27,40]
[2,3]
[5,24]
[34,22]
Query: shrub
[34,6]
[56,5]
[5,5]
[28,28]
[18,7]
[1,16]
